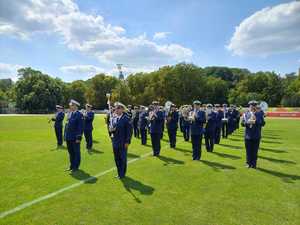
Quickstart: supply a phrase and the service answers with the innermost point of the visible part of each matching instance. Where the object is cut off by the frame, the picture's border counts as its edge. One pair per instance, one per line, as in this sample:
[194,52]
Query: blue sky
[76,39]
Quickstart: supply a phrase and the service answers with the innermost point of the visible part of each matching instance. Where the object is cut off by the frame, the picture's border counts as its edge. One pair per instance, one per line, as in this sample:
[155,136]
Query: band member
[197,118]
[156,118]
[219,117]
[185,110]
[88,116]
[253,121]
[225,121]
[172,125]
[135,120]
[58,125]
[163,124]
[143,124]
[231,120]
[210,128]
[73,134]
[121,138]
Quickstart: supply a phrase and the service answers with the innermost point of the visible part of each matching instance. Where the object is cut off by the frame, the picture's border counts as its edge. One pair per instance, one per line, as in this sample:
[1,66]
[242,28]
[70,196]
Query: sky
[76,39]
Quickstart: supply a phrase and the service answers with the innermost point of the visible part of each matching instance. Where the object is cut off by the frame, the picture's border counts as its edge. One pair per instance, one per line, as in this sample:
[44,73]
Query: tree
[37,92]
[77,91]
[98,86]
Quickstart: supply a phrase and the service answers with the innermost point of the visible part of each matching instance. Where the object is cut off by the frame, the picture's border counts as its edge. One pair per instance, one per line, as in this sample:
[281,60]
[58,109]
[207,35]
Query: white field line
[53,194]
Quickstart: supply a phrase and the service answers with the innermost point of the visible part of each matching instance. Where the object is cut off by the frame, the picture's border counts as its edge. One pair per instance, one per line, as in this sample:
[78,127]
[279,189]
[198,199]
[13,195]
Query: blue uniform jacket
[88,120]
[122,134]
[143,122]
[74,128]
[173,123]
[219,117]
[211,123]
[59,118]
[156,125]
[197,125]
[254,131]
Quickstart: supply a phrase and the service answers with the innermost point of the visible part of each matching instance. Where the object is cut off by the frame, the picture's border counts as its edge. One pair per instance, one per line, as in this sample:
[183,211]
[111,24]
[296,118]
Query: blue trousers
[210,140]
[155,140]
[196,143]
[172,137]
[225,129]
[74,154]
[217,135]
[186,133]
[143,136]
[252,146]
[120,155]
[59,135]
[88,134]
[136,130]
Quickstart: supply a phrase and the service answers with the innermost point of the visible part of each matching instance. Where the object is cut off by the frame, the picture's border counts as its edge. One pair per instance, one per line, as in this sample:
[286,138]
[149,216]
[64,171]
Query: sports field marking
[53,194]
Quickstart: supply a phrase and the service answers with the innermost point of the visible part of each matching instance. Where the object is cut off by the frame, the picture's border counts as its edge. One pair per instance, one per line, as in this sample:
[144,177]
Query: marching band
[195,121]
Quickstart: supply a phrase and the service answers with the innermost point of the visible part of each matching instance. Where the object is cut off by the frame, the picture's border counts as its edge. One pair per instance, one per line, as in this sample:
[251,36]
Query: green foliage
[37,92]
[181,84]
[98,86]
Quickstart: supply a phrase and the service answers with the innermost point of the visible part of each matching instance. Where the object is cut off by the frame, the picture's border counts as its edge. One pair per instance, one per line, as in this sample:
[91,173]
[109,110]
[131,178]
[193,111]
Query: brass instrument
[252,119]
[184,111]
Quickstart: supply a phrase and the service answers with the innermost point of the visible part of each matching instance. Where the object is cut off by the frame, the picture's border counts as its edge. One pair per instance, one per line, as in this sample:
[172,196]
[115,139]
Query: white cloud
[89,34]
[9,71]
[160,35]
[269,31]
[82,72]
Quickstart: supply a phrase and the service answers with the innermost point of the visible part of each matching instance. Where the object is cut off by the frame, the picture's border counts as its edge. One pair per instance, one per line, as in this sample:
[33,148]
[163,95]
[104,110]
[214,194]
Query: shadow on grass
[132,184]
[272,150]
[165,140]
[271,142]
[217,166]
[288,178]
[168,160]
[185,151]
[271,137]
[96,142]
[84,176]
[231,146]
[95,151]
[234,139]
[276,160]
[131,155]
[225,155]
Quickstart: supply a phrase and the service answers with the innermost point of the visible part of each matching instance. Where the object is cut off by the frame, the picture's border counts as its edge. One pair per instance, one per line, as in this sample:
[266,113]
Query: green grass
[169,190]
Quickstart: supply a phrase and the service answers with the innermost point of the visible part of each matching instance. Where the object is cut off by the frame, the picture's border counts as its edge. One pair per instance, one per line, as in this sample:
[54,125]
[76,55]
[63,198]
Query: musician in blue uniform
[58,125]
[143,124]
[172,125]
[197,118]
[186,122]
[163,124]
[73,134]
[210,128]
[219,117]
[135,120]
[156,118]
[88,126]
[231,120]
[225,122]
[121,138]
[253,121]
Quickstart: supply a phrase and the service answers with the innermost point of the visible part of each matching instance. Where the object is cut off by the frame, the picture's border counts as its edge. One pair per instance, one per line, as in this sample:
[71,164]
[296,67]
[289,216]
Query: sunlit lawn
[171,189]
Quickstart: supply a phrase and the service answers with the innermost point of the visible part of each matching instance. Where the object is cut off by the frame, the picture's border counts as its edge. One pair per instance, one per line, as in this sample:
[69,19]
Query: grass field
[168,190]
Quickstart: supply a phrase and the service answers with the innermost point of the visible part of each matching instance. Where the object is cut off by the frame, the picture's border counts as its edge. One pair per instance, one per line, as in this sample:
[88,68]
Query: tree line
[36,92]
